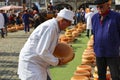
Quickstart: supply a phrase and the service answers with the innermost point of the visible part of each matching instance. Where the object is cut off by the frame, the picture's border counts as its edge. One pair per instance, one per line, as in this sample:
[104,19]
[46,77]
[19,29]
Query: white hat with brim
[66,14]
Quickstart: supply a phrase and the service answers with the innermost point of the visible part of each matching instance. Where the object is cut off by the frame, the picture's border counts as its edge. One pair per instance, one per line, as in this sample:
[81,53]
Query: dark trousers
[89,32]
[112,62]
[26,27]
[2,33]
[48,78]
[6,29]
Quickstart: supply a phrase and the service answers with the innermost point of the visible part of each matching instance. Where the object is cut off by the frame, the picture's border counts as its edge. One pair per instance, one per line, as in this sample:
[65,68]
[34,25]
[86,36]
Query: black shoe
[2,37]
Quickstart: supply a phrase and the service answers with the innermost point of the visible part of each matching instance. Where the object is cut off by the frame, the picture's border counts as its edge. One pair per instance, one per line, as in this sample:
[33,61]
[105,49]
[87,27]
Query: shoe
[2,37]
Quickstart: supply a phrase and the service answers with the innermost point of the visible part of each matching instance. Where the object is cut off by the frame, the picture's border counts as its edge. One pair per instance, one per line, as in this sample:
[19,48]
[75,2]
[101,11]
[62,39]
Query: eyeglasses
[100,6]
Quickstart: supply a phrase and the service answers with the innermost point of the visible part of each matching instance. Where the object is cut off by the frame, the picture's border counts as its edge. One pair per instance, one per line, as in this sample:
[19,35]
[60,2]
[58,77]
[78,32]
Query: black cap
[100,1]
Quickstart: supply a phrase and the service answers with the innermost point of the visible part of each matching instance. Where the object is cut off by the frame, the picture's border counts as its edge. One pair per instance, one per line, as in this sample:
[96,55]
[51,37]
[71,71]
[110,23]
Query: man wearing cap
[106,31]
[37,54]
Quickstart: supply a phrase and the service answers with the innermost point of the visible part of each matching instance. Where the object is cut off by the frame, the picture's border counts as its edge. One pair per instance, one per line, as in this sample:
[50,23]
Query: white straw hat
[67,14]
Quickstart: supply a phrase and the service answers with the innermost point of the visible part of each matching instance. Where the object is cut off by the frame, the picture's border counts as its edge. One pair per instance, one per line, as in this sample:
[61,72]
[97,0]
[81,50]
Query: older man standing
[37,54]
[2,24]
[106,31]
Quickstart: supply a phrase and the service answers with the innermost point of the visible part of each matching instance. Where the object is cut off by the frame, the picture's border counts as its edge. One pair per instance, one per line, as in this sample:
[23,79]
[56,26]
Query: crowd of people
[19,17]
[35,17]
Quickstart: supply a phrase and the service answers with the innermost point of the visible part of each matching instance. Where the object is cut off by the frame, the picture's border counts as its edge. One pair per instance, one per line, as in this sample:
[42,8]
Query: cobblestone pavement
[10,47]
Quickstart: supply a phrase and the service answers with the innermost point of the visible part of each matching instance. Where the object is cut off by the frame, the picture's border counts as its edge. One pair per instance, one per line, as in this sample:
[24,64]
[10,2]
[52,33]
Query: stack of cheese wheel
[79,28]
[65,51]
[84,67]
[88,57]
[90,42]
[95,74]
[69,35]
[76,77]
[83,72]
[75,33]
[84,26]
[63,39]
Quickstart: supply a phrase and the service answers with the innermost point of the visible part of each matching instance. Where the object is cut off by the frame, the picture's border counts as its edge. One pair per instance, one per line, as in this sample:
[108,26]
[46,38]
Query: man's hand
[63,61]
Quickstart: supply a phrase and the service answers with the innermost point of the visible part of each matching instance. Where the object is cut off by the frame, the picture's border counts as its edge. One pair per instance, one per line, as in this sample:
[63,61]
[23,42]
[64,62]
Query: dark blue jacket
[106,35]
[26,17]
[5,18]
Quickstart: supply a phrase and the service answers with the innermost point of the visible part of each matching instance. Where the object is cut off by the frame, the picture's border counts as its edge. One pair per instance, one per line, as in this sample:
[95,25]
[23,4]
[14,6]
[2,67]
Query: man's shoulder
[114,14]
[96,15]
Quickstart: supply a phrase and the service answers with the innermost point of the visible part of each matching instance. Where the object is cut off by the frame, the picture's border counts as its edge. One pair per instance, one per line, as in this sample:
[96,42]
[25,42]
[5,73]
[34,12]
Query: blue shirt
[26,17]
[106,35]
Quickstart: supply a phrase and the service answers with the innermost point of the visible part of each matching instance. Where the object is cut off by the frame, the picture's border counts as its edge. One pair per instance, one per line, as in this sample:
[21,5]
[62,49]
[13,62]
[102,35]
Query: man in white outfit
[88,17]
[37,54]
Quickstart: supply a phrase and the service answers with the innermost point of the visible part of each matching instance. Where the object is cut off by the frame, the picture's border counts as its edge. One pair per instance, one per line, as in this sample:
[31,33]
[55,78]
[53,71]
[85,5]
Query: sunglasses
[101,6]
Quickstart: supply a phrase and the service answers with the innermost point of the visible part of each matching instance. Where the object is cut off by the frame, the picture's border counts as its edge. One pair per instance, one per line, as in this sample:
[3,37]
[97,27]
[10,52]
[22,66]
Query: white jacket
[37,54]
[1,21]
[88,17]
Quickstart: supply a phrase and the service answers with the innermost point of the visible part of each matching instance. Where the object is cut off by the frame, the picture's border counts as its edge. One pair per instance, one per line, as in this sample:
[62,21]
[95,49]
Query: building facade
[10,2]
[74,4]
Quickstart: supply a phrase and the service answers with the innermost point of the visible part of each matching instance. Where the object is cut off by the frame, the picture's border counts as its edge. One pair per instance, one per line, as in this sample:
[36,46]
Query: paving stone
[10,47]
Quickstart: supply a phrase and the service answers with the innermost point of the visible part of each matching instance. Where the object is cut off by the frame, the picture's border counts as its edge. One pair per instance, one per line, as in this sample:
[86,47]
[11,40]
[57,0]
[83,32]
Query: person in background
[82,15]
[26,17]
[37,54]
[78,16]
[12,19]
[106,31]
[5,21]
[2,24]
[36,18]
[88,17]
[34,7]
[50,7]
[18,19]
